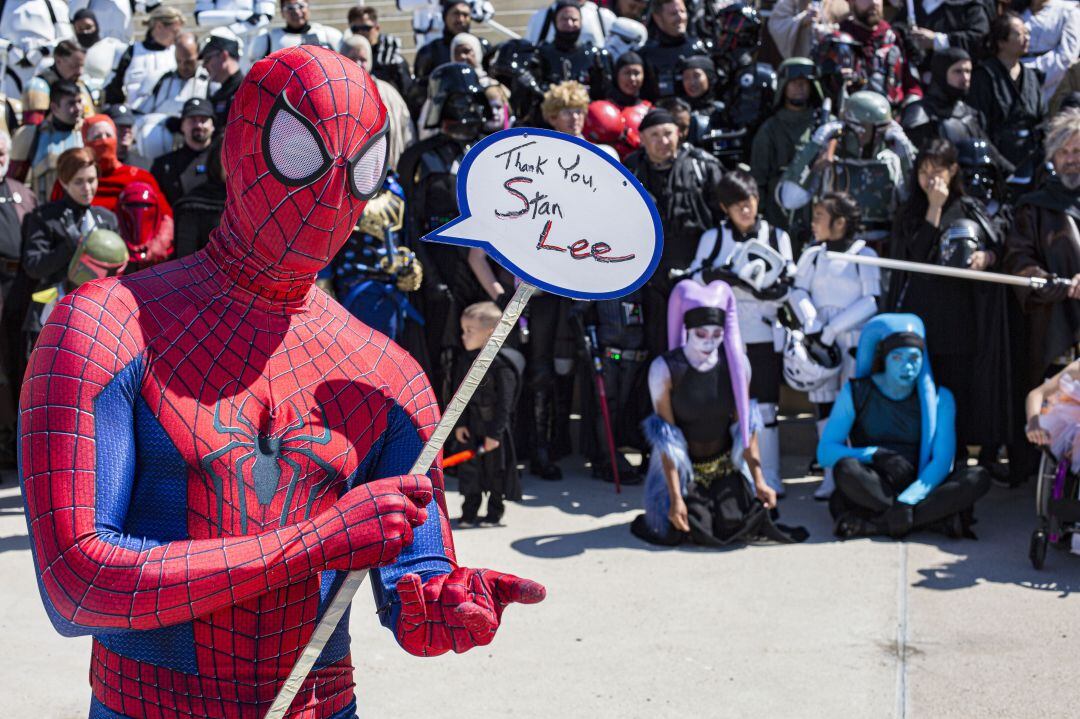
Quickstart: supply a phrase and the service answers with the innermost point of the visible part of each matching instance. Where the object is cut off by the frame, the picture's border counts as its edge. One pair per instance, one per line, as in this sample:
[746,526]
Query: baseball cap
[215,43]
[197,107]
[121,115]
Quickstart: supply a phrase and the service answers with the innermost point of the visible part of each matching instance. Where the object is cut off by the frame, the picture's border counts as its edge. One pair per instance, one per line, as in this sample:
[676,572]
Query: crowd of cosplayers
[939,132]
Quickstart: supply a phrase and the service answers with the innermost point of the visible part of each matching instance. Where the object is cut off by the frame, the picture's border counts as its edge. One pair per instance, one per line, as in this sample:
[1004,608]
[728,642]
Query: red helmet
[632,117]
[604,123]
[137,211]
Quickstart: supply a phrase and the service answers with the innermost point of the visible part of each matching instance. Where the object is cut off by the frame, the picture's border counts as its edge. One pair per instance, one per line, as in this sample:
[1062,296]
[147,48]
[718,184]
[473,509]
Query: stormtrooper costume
[428,17]
[270,40]
[141,66]
[101,59]
[836,298]
[172,91]
[29,31]
[242,18]
[596,23]
[725,248]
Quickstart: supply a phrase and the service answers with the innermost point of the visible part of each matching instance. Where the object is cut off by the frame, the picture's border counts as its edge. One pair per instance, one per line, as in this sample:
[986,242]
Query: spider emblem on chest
[264,456]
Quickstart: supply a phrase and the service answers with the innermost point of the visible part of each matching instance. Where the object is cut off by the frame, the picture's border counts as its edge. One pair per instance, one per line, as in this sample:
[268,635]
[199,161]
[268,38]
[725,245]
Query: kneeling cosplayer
[704,480]
[891,439]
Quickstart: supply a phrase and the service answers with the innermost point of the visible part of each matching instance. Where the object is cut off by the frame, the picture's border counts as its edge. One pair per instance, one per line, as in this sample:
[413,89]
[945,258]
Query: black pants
[495,506]
[871,493]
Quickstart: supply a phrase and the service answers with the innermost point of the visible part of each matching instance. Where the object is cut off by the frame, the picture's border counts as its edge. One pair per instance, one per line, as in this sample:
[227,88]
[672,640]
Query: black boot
[541,464]
[495,509]
[470,509]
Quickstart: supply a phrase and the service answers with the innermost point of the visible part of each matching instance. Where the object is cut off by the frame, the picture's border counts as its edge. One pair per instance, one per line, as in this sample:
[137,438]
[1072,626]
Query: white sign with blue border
[557,212]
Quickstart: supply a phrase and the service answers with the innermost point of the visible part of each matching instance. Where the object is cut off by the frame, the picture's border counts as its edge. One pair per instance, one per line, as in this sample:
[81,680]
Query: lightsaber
[462,457]
[1034,283]
[345,593]
[503,29]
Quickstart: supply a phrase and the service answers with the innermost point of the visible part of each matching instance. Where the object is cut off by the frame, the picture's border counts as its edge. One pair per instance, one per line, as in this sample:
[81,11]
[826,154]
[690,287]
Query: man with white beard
[1045,242]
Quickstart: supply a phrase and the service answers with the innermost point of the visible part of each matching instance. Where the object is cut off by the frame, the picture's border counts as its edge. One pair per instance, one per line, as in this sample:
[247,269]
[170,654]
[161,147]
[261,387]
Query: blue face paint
[903,365]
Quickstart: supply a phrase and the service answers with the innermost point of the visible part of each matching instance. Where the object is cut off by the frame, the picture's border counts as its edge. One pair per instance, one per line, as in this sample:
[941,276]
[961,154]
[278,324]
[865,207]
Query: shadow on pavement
[1006,520]
[12,504]
[617,536]
[576,493]
[16,543]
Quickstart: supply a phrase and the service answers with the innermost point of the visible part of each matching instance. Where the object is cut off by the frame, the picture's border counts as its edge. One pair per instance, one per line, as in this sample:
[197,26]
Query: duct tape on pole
[560,215]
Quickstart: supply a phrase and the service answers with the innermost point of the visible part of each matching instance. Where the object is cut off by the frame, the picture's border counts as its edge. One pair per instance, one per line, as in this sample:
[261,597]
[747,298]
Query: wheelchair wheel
[1044,485]
[1037,548]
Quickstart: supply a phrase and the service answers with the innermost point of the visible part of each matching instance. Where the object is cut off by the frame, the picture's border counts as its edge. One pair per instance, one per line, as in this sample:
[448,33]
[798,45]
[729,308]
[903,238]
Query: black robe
[1012,111]
[967,326]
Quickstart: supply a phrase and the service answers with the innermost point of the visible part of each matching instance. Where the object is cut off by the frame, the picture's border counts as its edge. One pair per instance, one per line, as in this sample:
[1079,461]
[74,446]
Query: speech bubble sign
[556,212]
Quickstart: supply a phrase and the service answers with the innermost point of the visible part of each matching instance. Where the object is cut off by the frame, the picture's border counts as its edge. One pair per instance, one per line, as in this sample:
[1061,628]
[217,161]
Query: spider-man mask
[304,149]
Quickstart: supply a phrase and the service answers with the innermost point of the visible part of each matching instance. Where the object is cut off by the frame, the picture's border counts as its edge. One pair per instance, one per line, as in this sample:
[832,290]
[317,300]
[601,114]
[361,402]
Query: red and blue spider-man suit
[202,442]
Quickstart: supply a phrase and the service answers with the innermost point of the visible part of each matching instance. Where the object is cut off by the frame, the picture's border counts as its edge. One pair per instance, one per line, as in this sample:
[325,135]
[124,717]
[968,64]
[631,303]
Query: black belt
[614,353]
[9,266]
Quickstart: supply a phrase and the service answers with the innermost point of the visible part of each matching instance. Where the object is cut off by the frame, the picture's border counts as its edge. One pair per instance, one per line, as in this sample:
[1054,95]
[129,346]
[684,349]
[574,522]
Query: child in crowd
[1057,426]
[843,294]
[485,426]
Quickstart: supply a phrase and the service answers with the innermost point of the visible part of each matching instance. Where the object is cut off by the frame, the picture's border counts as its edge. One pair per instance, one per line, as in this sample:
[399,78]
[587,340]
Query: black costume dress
[720,505]
[967,324]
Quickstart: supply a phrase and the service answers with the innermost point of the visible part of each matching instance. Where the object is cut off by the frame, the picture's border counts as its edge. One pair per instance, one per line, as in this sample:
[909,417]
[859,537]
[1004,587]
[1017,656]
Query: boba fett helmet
[102,254]
[794,68]
[866,115]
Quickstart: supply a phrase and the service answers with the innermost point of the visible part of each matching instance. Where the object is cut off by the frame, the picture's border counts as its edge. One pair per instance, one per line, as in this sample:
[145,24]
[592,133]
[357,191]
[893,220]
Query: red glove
[458,611]
[371,524]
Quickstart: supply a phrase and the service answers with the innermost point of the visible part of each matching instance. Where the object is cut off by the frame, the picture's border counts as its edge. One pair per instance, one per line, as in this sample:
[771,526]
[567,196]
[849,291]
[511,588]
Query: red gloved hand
[372,523]
[458,611]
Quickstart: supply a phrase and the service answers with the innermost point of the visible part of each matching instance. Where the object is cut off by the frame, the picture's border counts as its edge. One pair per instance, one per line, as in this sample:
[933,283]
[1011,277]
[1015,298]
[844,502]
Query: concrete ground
[930,627]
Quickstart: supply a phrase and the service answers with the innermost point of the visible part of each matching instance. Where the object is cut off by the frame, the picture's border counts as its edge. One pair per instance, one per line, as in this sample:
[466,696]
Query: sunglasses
[362,28]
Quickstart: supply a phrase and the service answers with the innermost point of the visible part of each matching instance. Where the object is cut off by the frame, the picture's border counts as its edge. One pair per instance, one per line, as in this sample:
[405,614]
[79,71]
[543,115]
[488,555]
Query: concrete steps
[514,14]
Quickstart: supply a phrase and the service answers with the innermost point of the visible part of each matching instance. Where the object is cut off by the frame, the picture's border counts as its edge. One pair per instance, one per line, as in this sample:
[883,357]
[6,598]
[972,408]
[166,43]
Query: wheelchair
[1057,508]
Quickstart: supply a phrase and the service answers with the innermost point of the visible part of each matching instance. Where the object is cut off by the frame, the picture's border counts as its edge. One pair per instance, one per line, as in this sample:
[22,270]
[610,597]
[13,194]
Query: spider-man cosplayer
[208,444]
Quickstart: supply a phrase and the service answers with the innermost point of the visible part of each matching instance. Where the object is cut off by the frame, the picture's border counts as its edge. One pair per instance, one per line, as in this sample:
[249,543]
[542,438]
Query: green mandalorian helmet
[102,254]
[866,115]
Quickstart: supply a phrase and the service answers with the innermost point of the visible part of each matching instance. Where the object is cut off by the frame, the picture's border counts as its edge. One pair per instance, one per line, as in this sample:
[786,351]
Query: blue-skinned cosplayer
[891,439]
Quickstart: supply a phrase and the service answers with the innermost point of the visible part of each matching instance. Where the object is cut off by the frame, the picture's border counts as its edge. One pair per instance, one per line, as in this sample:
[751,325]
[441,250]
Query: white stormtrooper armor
[32,27]
[101,59]
[144,70]
[756,316]
[845,297]
[243,18]
[152,140]
[114,17]
[595,24]
[172,91]
[271,40]
[428,20]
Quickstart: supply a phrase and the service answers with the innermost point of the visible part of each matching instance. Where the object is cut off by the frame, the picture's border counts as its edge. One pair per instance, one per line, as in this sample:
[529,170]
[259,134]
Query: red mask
[304,149]
[137,211]
[104,147]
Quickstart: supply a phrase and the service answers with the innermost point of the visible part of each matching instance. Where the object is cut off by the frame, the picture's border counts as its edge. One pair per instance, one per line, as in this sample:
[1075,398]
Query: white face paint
[705,339]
